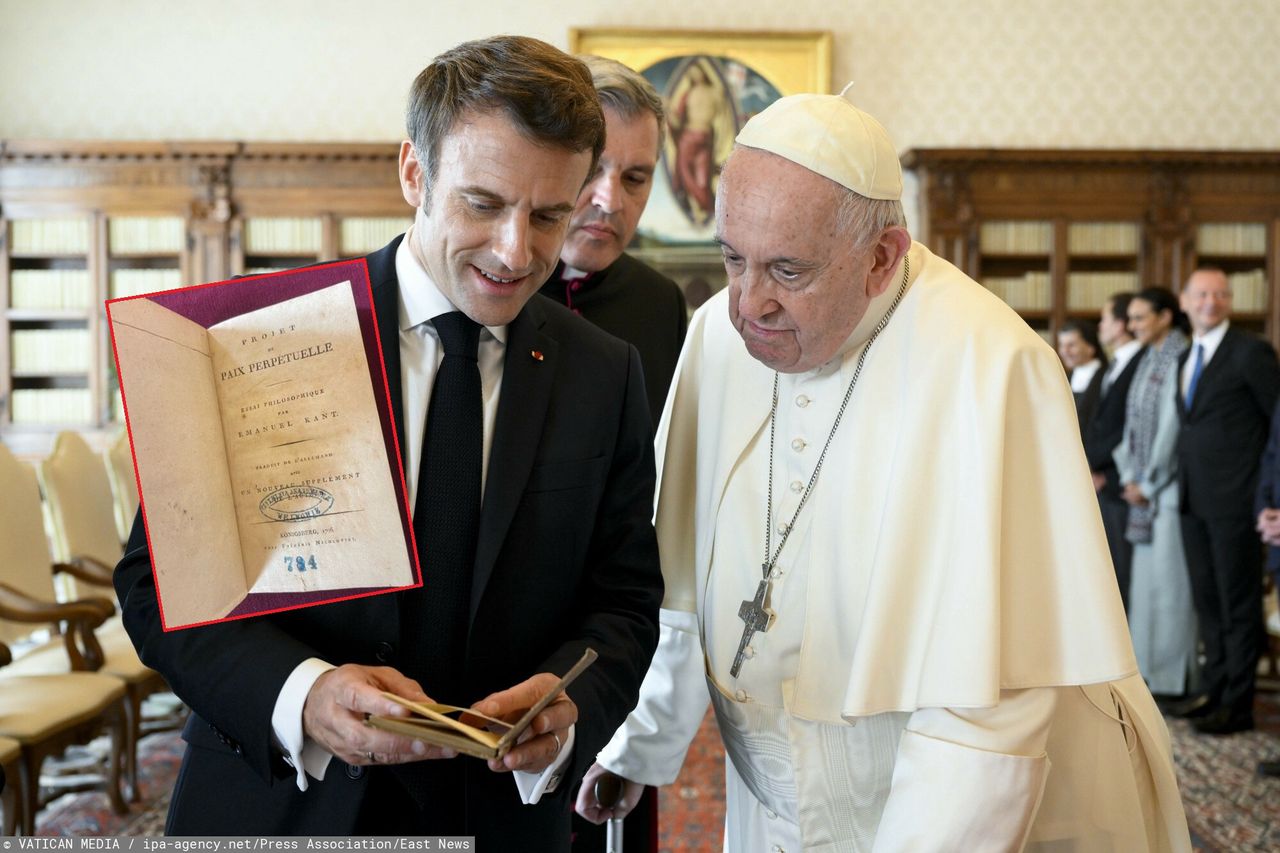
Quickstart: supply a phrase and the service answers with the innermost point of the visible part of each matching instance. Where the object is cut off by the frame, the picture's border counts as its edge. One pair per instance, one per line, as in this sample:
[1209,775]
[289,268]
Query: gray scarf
[1141,416]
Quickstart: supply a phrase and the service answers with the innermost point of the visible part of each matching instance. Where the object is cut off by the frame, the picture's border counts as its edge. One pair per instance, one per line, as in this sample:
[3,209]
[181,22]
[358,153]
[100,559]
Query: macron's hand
[334,713]
[541,742]
[589,807]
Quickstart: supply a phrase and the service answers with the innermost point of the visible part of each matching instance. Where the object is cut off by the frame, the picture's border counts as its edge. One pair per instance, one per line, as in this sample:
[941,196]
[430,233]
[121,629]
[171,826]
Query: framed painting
[711,83]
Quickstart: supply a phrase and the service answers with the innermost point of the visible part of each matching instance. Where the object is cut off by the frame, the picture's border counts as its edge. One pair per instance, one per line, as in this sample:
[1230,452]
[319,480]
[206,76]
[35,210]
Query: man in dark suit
[595,277]
[1106,428]
[598,281]
[1229,385]
[548,421]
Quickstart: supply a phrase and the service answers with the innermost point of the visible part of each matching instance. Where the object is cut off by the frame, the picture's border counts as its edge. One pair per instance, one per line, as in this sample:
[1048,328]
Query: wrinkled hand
[334,713]
[589,807]
[540,743]
[1133,495]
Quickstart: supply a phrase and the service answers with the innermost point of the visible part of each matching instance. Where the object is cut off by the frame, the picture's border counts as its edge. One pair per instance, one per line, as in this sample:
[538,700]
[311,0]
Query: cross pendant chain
[757,616]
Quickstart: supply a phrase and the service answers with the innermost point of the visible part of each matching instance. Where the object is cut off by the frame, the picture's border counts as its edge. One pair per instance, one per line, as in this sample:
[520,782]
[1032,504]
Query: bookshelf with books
[1115,220]
[83,221]
[48,320]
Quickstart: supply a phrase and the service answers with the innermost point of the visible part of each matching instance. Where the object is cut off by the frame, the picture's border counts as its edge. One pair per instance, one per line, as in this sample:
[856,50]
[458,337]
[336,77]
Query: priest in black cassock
[595,278]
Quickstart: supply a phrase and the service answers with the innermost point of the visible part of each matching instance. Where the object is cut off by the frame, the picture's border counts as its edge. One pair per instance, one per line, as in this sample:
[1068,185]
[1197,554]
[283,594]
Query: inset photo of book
[265,449]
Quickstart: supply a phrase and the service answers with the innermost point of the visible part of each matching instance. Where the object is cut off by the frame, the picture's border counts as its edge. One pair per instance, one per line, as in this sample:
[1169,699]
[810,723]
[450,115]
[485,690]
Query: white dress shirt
[1210,340]
[420,300]
[1083,375]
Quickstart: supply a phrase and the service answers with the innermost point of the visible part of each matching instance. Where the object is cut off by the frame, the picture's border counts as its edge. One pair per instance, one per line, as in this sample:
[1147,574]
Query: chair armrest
[87,569]
[79,618]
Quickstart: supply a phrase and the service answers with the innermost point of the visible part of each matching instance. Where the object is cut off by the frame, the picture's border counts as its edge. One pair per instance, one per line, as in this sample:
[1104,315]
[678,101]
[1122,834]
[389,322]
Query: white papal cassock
[949,667]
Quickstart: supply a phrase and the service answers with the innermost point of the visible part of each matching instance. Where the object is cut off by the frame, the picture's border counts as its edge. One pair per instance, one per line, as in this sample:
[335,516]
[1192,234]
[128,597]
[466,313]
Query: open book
[436,725]
[266,455]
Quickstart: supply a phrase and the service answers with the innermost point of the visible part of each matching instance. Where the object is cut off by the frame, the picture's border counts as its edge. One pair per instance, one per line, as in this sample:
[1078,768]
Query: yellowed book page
[176,425]
[315,501]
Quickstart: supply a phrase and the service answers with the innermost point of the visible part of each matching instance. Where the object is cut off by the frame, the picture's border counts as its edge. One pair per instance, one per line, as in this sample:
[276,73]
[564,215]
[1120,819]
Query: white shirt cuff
[533,785]
[301,752]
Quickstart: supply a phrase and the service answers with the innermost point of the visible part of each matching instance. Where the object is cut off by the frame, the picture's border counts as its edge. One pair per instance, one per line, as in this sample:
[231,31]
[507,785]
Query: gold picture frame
[745,72]
[794,62]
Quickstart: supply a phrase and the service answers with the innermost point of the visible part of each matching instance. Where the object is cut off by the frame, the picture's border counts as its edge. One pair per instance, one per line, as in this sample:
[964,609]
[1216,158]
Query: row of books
[362,235]
[1248,291]
[1027,292]
[1016,238]
[50,351]
[1092,289]
[1232,238]
[50,236]
[1102,238]
[50,290]
[51,406]
[131,282]
[146,234]
[282,235]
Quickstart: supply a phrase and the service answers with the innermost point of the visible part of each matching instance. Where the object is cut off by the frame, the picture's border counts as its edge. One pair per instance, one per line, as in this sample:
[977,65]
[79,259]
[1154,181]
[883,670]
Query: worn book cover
[265,450]
[436,723]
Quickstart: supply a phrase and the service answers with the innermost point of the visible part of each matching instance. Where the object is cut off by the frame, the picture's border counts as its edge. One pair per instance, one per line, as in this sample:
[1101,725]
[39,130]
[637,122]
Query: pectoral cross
[757,617]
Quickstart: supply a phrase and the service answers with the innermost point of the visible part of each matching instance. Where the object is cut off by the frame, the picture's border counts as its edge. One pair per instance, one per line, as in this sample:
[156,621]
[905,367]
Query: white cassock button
[802,401]
[749,652]
[777,849]
[772,815]
[797,486]
[782,527]
[799,444]
[741,695]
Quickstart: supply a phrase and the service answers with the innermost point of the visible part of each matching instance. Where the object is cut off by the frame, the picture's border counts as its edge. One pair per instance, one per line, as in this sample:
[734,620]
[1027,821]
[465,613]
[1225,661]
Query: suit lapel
[522,408]
[1178,397]
[386,305]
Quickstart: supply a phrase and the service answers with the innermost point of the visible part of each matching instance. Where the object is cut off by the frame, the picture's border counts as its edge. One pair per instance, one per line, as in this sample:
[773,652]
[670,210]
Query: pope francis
[884,563]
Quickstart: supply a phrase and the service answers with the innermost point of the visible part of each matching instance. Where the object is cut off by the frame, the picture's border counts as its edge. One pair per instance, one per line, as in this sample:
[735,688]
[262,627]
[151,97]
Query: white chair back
[80,506]
[25,561]
[124,485]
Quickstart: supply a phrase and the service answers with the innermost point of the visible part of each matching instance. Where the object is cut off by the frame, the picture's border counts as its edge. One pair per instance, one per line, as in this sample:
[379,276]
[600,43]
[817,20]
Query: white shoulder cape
[969,540]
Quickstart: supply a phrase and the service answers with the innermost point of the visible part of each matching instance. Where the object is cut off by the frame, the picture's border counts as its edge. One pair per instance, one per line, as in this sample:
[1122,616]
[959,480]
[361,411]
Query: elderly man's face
[1206,300]
[797,286]
[495,218]
[610,205]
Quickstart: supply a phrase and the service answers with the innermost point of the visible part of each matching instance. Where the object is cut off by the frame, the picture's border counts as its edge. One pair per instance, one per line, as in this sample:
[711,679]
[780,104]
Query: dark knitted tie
[446,515]
[446,518]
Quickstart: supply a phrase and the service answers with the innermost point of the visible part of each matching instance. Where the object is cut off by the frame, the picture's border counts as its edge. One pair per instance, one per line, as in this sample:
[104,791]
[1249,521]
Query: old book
[436,724]
[266,455]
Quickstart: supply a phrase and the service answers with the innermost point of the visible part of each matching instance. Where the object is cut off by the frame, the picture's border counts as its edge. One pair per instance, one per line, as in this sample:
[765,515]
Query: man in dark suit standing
[627,298]
[1229,385]
[1105,430]
[595,277]
[527,446]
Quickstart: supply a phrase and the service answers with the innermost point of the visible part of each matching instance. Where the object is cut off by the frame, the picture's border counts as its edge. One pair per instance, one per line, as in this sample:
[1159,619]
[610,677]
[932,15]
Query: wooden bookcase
[1055,232]
[81,222]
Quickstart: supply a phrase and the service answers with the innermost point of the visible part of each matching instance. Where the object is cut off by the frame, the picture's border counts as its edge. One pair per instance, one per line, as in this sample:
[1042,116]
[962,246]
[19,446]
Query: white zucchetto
[830,136]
